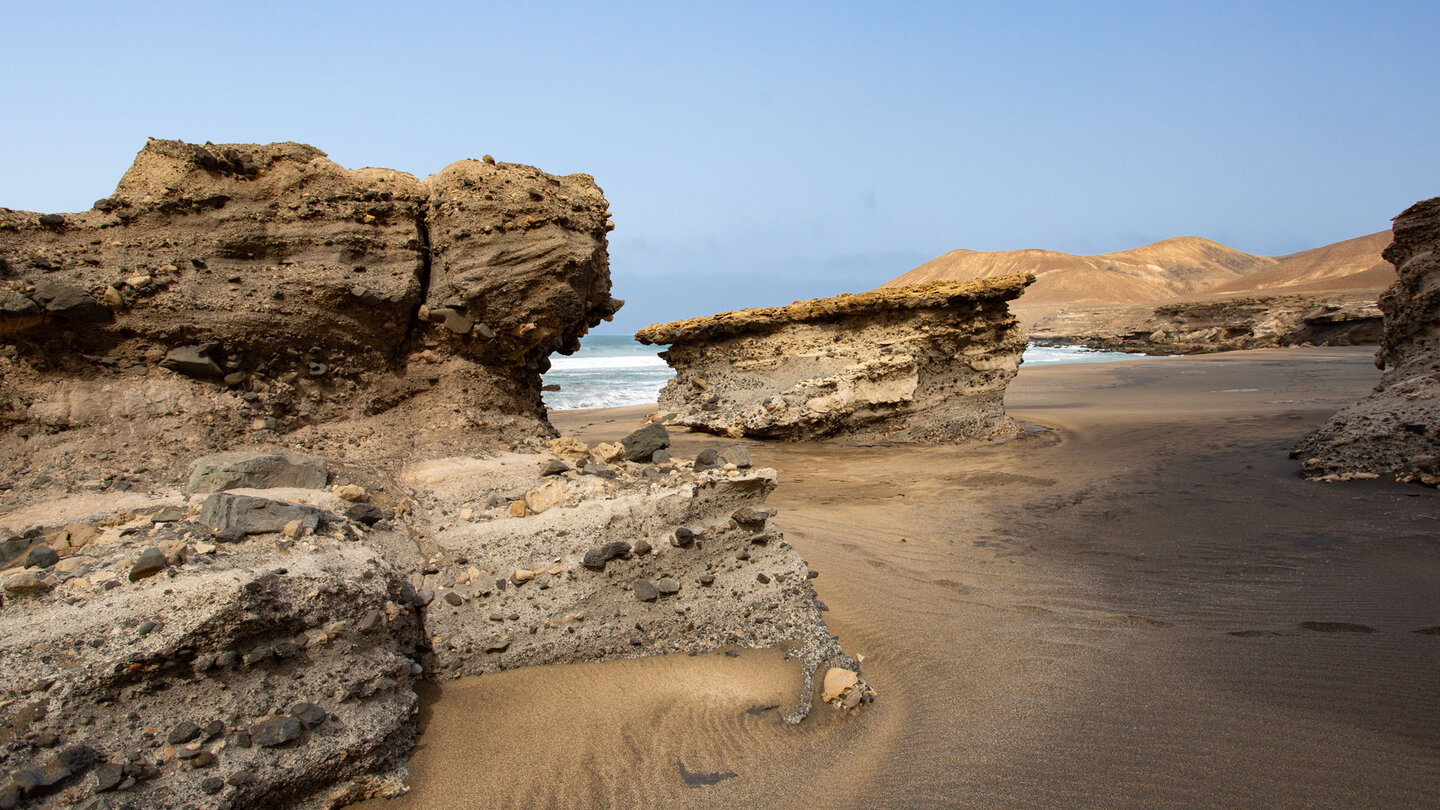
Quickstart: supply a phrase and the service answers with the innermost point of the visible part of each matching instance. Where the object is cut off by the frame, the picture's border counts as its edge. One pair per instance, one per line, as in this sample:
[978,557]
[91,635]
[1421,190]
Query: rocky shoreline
[273,455]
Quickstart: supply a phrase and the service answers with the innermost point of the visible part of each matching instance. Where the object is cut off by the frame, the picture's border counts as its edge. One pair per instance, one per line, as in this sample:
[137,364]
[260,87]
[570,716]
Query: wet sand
[1142,607]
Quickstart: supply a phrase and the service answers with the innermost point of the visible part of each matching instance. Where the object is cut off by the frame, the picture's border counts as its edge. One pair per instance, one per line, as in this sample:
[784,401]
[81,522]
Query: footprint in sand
[1337,627]
[1428,631]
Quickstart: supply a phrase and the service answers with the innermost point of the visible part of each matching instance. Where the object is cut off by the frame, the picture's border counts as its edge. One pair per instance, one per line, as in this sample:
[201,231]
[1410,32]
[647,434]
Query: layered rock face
[929,363]
[1219,324]
[262,647]
[1396,429]
[265,289]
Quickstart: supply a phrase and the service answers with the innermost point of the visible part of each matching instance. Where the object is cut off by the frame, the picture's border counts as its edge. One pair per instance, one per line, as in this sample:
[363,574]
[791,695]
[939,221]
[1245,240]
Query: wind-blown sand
[1145,607]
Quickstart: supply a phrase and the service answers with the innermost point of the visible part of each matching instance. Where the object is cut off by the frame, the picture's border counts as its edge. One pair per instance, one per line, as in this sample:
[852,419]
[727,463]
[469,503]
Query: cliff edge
[1396,429]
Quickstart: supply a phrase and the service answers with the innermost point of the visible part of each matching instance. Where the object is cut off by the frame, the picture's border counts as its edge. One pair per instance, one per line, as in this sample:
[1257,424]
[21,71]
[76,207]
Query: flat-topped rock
[929,363]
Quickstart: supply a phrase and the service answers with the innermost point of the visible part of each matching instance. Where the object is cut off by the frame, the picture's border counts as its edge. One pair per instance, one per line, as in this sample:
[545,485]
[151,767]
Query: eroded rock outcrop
[1396,429]
[928,362]
[259,290]
[262,647]
[619,560]
[1345,318]
[198,669]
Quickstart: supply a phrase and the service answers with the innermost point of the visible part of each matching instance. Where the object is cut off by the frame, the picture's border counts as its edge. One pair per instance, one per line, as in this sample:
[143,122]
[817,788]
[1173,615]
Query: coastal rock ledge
[923,363]
[1396,429]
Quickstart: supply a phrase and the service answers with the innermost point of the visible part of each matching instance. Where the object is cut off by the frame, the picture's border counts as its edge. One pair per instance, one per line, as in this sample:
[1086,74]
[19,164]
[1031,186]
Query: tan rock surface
[274,297]
[929,362]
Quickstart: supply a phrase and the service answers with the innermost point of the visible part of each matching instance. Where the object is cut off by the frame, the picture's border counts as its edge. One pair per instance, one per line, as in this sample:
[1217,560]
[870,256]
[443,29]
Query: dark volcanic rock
[645,590]
[192,361]
[642,444]
[256,470]
[41,557]
[150,562]
[274,731]
[366,513]
[223,511]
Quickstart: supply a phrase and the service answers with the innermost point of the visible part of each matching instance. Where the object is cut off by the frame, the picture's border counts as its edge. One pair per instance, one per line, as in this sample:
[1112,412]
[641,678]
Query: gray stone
[642,444]
[645,590]
[212,785]
[366,513]
[13,303]
[454,599]
[274,731]
[183,733]
[595,559]
[642,548]
[309,714]
[192,361]
[41,557]
[169,514]
[108,776]
[737,455]
[660,457]
[150,563]
[667,586]
[223,511]
[256,470]
[554,467]
[71,302]
[707,459]
[749,515]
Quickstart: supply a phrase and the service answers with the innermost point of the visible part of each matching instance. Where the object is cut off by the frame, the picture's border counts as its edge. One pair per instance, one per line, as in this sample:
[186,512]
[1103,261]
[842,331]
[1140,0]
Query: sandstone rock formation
[263,290]
[928,362]
[1396,429]
[1219,324]
[264,647]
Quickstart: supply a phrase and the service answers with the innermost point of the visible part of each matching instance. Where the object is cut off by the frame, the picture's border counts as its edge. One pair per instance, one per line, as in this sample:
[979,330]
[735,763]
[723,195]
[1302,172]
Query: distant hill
[1183,267]
[1354,264]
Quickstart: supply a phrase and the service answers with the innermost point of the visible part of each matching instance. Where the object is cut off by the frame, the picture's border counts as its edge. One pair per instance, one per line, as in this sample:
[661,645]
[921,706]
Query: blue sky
[756,153]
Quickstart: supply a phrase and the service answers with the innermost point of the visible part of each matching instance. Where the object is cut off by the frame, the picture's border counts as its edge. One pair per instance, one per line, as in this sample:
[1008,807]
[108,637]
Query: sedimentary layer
[260,290]
[262,645]
[928,362]
[1219,324]
[1396,429]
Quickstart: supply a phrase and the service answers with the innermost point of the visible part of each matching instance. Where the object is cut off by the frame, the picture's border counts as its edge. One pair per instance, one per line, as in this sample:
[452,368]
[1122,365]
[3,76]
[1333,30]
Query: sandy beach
[1140,606]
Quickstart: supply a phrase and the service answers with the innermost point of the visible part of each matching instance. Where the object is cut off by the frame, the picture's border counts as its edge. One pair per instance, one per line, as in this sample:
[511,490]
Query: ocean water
[614,370]
[607,372]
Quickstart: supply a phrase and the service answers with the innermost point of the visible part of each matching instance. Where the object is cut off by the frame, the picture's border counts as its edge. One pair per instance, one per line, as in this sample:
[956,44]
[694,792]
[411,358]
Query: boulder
[225,512]
[256,470]
[641,445]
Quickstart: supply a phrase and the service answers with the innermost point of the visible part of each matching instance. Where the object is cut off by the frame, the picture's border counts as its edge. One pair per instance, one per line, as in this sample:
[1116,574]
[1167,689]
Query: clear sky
[756,153]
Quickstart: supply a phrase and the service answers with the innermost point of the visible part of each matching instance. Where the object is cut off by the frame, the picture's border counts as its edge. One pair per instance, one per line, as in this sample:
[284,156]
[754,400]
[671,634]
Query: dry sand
[1144,607]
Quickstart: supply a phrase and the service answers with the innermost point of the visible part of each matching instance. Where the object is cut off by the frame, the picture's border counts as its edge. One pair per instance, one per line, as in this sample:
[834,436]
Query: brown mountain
[1156,272]
[1183,267]
[1354,264]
